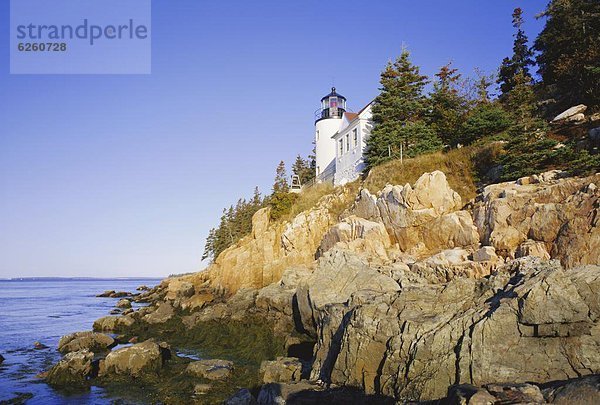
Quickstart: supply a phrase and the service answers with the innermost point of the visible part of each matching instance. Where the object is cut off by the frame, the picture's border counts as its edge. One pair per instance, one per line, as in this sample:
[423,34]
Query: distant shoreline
[78,278]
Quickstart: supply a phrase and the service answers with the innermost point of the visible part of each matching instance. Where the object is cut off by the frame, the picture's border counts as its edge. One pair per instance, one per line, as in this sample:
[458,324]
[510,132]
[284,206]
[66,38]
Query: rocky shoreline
[410,296]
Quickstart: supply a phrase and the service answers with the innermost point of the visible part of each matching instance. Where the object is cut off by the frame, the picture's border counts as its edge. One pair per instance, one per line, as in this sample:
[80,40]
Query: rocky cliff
[411,291]
[414,292]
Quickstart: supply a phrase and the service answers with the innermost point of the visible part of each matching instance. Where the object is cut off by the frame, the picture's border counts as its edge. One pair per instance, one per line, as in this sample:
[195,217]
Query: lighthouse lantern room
[327,123]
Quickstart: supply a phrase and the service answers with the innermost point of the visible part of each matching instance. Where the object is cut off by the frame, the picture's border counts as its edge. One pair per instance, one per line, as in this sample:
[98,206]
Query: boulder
[568,114]
[532,248]
[113,323]
[202,389]
[579,391]
[208,314]
[198,299]
[494,394]
[486,254]
[242,397]
[467,394]
[123,303]
[106,294]
[421,219]
[275,298]
[162,314]
[120,294]
[212,369]
[594,135]
[281,393]
[294,276]
[554,214]
[72,370]
[516,393]
[448,265]
[91,341]
[143,288]
[180,288]
[576,119]
[373,236]
[337,276]
[1,359]
[284,369]
[529,322]
[143,358]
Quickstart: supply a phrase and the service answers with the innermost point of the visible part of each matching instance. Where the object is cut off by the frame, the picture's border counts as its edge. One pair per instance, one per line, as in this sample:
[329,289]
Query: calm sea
[43,311]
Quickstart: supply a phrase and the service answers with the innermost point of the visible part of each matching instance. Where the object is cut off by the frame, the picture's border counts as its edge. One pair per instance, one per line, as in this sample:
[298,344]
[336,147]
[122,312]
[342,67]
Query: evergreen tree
[303,169]
[235,223]
[529,149]
[448,106]
[256,201]
[209,246]
[312,158]
[280,185]
[398,114]
[521,102]
[482,85]
[486,118]
[521,59]
[281,199]
[569,52]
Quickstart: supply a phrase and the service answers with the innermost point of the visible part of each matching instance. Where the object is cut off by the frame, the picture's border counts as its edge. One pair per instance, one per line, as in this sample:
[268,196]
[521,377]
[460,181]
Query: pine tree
[448,105]
[280,185]
[521,102]
[235,223]
[529,149]
[482,85]
[302,168]
[398,114]
[281,199]
[521,60]
[209,246]
[256,201]
[569,52]
[312,158]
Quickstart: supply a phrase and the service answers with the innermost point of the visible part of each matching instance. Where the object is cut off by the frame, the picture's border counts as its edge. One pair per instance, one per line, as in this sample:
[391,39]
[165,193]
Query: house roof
[350,116]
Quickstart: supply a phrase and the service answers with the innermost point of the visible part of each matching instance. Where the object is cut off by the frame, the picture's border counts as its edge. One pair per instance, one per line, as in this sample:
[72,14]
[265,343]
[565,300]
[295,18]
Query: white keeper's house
[340,140]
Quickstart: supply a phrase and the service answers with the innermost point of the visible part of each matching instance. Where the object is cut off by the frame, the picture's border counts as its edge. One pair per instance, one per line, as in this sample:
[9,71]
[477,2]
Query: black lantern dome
[333,105]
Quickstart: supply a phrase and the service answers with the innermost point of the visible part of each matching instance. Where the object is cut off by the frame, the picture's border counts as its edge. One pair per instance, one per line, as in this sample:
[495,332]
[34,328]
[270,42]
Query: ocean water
[43,311]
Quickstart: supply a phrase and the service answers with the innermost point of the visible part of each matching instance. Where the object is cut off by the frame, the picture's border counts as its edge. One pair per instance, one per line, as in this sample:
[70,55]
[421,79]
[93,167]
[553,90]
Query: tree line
[461,111]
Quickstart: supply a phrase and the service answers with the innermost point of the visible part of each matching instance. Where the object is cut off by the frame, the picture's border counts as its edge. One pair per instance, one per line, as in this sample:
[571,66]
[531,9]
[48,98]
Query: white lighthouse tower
[327,122]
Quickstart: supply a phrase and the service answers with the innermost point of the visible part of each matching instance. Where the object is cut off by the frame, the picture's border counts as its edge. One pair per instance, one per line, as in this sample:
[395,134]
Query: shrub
[485,119]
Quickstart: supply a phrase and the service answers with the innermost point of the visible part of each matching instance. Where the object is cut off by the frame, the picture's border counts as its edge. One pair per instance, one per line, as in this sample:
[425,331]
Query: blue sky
[124,175]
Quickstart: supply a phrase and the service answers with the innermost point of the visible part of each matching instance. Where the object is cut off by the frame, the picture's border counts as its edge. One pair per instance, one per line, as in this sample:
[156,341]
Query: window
[317,135]
[333,102]
[341,147]
[318,170]
[347,142]
[355,136]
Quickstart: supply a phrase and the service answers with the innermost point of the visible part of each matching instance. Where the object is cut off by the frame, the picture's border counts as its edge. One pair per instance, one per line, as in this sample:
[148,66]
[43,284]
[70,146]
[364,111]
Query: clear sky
[124,175]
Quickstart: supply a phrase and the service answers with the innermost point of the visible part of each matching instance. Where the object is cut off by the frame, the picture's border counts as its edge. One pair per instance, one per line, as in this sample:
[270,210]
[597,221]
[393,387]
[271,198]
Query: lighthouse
[327,123]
